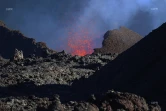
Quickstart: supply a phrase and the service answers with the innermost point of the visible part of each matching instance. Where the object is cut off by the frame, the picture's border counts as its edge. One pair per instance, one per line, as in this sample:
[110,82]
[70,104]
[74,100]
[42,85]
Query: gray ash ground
[41,84]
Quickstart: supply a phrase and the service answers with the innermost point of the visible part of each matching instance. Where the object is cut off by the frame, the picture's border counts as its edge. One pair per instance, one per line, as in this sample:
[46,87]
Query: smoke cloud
[51,20]
[115,13]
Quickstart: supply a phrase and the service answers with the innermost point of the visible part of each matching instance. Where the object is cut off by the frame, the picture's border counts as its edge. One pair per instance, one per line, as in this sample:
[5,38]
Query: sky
[54,21]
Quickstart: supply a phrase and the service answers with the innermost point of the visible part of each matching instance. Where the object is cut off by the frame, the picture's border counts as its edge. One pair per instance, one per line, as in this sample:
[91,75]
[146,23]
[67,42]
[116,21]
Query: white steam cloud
[117,13]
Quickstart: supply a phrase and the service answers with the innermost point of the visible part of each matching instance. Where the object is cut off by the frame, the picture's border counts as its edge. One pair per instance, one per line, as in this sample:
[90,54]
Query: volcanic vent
[80,42]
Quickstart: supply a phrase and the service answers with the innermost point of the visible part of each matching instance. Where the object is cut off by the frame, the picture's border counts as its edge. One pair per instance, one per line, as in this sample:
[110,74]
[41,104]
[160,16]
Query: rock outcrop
[118,40]
[18,55]
[13,39]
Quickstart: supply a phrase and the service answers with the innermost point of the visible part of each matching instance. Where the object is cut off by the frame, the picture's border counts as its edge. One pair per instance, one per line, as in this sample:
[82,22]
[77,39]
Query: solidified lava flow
[80,42]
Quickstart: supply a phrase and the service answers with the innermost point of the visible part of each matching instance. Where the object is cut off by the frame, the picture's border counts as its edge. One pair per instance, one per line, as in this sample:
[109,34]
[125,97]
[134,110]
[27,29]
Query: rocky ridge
[13,39]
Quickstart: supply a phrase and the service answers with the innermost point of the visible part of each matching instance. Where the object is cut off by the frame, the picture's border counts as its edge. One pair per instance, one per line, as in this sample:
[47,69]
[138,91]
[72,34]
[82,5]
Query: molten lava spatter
[80,42]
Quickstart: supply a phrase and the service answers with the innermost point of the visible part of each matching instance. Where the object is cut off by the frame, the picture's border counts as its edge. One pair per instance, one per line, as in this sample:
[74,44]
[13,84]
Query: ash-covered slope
[118,40]
[140,69]
[12,39]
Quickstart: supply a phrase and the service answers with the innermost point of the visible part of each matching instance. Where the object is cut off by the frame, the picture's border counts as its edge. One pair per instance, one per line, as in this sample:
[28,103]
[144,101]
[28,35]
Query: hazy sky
[51,20]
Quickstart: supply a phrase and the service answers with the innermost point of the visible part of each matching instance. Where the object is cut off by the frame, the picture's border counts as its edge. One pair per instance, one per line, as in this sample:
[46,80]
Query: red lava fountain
[80,42]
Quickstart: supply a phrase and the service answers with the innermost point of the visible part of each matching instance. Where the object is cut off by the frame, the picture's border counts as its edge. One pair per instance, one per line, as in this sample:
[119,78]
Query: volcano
[58,81]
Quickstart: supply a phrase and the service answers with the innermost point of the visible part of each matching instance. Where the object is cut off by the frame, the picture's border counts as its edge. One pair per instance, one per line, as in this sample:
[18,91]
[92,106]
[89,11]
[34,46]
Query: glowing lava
[80,42]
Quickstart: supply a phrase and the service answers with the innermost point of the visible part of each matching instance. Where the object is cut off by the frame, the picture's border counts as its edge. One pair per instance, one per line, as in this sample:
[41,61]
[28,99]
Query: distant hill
[118,40]
[13,39]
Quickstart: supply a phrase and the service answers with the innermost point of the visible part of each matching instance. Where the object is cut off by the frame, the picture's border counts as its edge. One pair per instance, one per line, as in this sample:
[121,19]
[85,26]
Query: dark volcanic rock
[25,82]
[113,100]
[58,68]
[13,39]
[140,69]
[35,83]
[85,106]
[110,101]
[118,40]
